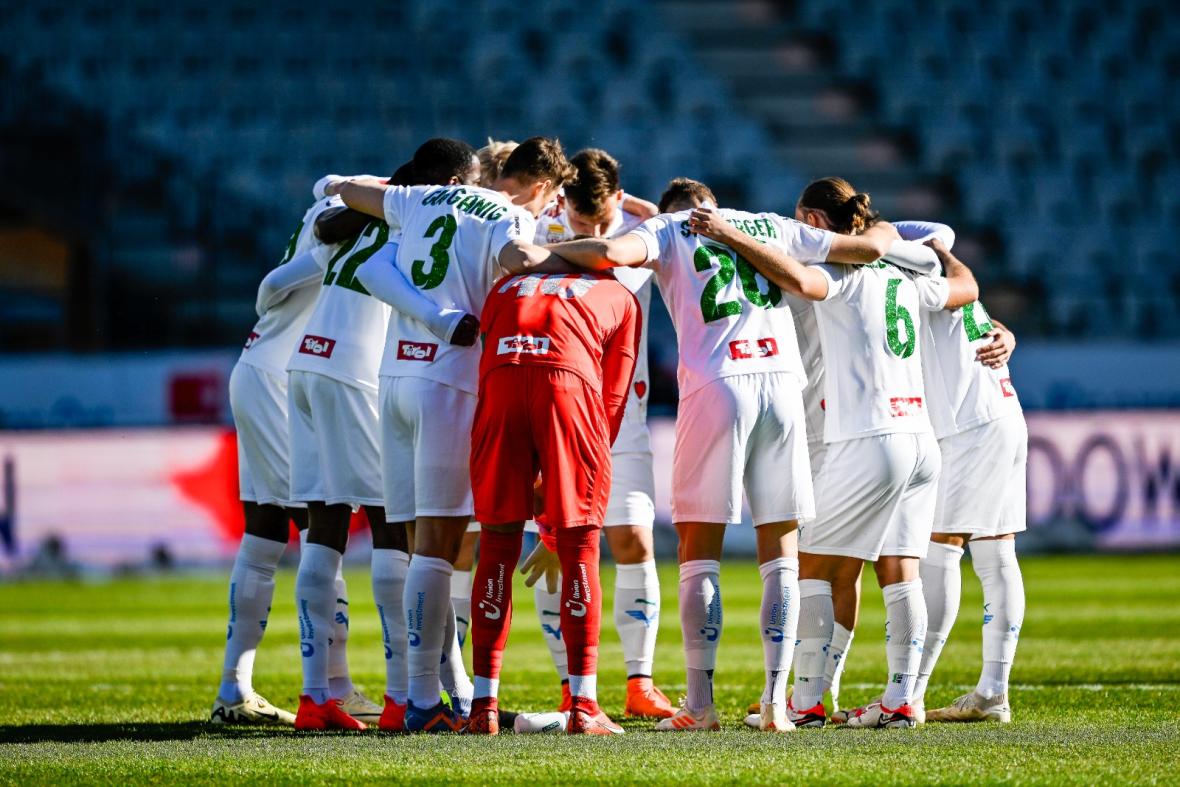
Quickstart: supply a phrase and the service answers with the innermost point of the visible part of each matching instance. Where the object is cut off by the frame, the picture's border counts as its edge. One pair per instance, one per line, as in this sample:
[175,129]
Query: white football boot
[974,707]
[360,707]
[771,717]
[875,715]
[685,720]
[252,710]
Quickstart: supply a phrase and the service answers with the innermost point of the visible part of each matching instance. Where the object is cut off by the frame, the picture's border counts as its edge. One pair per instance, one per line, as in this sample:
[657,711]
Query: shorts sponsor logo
[252,338]
[905,406]
[745,349]
[317,345]
[416,351]
[525,345]
[1005,386]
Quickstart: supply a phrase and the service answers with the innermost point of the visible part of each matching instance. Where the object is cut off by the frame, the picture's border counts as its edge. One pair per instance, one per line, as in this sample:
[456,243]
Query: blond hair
[491,159]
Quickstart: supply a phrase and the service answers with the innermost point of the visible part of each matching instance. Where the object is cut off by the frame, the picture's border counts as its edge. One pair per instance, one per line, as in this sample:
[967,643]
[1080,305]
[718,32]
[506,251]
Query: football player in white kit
[981,495]
[456,242]
[258,397]
[877,486]
[438,161]
[592,205]
[740,422]
[334,424]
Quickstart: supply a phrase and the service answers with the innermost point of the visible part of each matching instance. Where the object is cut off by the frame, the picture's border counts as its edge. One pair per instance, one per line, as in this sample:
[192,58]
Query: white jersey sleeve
[729,319]
[451,240]
[933,292]
[269,345]
[868,327]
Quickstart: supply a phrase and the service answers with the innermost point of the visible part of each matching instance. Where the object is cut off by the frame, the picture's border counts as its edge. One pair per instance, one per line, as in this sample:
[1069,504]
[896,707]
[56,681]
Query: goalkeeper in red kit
[558,355]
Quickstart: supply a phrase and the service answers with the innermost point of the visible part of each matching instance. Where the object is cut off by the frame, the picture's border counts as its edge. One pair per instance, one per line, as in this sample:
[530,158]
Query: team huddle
[460,351]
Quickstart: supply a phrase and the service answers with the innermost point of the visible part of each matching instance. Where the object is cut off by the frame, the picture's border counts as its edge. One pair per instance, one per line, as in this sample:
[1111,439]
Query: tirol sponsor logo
[416,351]
[252,338]
[1005,386]
[526,345]
[317,345]
[745,349]
[903,406]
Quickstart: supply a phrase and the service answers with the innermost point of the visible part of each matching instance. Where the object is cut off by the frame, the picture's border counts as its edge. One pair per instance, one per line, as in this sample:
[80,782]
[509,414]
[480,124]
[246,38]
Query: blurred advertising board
[1097,480]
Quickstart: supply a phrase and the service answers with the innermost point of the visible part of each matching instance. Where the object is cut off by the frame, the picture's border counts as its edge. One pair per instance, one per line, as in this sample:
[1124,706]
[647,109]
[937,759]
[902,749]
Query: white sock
[427,602]
[251,590]
[461,601]
[836,659]
[905,631]
[941,586]
[389,567]
[637,614]
[549,615]
[700,623]
[486,687]
[584,686]
[452,671]
[816,623]
[780,621]
[1003,611]
[339,681]
[315,599]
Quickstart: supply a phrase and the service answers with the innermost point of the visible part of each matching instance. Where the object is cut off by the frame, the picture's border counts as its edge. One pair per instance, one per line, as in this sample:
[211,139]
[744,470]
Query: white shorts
[818,452]
[259,402]
[875,496]
[742,431]
[632,491]
[334,453]
[425,448]
[982,488]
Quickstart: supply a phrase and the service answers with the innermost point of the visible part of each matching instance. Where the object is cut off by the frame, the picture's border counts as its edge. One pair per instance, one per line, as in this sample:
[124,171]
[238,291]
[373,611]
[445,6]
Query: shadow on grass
[131,731]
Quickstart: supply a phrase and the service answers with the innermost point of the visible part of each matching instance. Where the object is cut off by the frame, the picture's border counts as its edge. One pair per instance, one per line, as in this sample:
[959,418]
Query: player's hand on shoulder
[996,353]
[710,223]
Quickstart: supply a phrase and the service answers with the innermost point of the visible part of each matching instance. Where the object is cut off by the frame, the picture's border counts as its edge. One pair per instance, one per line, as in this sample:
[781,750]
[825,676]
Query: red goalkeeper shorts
[532,419]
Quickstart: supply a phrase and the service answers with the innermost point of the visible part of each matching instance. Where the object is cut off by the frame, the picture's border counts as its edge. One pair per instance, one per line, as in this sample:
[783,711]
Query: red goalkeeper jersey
[586,323]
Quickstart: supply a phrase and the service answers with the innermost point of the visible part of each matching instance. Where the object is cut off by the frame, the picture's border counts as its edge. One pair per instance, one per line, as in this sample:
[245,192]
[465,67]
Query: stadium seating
[1045,125]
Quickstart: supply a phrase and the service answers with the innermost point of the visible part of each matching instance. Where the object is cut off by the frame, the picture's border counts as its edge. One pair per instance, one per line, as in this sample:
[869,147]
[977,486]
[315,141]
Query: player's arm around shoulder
[599,254]
[365,194]
[775,264]
[960,282]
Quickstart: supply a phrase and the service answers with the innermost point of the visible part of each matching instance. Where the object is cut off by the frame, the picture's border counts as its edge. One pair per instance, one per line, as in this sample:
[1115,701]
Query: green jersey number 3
[729,264]
[440,258]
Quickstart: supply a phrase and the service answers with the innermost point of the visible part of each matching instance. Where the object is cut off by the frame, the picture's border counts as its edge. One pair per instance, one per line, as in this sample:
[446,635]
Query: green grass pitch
[111,683]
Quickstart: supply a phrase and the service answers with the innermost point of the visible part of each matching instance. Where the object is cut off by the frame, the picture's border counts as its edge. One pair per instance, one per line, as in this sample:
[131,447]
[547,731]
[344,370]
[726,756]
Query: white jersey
[963,392]
[345,333]
[729,319]
[553,227]
[269,345]
[868,328]
[810,352]
[451,239]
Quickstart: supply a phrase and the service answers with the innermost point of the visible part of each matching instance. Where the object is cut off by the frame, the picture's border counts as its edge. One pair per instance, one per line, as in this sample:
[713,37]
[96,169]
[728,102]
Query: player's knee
[630,544]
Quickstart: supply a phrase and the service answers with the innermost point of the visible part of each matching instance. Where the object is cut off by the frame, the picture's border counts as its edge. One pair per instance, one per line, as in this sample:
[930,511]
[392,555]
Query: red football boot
[325,716]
